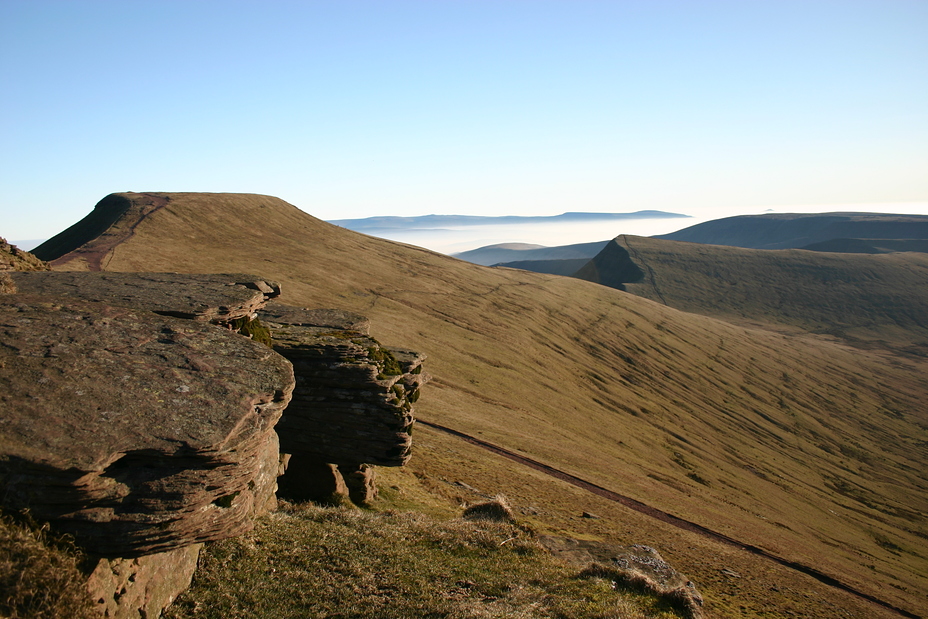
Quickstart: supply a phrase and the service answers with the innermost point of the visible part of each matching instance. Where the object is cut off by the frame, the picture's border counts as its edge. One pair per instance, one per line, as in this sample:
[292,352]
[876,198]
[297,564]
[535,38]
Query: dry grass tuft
[495,510]
[684,599]
[6,283]
[39,575]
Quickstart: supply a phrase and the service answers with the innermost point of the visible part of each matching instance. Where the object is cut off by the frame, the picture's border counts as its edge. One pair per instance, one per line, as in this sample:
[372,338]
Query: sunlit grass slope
[811,450]
[309,561]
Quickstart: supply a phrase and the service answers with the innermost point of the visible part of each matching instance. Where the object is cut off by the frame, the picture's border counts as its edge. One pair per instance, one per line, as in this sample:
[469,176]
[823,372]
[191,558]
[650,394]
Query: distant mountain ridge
[425,222]
[797,230]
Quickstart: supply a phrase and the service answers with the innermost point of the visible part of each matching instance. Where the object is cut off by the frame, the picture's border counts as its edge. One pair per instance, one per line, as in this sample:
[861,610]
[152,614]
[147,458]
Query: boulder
[136,432]
[142,586]
[361,483]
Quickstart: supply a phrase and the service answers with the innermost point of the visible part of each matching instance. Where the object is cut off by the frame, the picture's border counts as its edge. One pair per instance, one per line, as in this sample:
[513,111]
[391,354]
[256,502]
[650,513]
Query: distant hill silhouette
[785,231]
[511,252]
[808,448]
[426,222]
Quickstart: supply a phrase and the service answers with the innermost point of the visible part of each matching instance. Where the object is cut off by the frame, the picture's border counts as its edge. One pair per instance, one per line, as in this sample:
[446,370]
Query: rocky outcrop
[353,402]
[353,399]
[13,258]
[135,432]
[136,420]
[142,586]
[139,432]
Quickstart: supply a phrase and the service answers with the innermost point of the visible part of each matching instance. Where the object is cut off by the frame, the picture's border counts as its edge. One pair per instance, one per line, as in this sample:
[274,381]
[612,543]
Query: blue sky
[352,109]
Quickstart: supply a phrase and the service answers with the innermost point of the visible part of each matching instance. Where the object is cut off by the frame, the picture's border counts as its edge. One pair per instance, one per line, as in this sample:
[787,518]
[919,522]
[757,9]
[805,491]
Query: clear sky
[358,108]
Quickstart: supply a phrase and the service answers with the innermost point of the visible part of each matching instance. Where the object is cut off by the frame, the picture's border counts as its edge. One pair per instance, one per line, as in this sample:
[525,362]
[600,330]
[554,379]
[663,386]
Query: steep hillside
[867,300]
[793,230]
[611,267]
[805,449]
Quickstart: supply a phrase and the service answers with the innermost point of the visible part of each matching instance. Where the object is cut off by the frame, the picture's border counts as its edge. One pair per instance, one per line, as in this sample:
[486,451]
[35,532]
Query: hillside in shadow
[794,230]
[866,300]
[808,449]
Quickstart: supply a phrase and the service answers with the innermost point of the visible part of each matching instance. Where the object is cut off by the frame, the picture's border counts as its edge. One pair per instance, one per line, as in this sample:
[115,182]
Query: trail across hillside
[663,516]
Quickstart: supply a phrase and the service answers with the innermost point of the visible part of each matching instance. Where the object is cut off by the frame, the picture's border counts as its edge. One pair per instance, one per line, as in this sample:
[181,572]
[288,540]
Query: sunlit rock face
[134,431]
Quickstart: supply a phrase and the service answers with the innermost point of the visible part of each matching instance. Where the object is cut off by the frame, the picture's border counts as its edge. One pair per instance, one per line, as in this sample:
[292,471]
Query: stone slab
[321,319]
[211,298]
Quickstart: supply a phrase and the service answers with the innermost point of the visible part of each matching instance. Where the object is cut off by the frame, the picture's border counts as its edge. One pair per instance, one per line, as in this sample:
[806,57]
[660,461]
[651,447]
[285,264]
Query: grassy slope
[806,448]
[307,561]
[868,300]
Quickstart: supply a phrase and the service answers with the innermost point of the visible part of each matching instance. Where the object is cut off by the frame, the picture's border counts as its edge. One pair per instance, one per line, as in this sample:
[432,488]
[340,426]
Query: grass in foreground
[308,561]
[40,575]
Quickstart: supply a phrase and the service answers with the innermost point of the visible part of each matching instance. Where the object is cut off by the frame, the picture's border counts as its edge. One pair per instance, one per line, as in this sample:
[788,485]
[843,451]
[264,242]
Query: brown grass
[802,446]
[39,575]
[7,286]
[310,561]
[688,603]
[495,510]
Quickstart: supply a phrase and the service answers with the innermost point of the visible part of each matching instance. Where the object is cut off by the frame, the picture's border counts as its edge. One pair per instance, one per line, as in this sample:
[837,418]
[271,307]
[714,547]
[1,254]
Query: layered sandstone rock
[142,586]
[133,431]
[352,406]
[212,298]
[353,399]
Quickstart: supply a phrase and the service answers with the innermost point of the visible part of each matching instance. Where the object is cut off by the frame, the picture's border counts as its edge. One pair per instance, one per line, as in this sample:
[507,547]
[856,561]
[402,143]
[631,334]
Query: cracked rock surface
[135,432]
[213,298]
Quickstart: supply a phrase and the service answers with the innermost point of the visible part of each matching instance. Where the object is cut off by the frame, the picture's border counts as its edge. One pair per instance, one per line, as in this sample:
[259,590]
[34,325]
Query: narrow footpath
[663,516]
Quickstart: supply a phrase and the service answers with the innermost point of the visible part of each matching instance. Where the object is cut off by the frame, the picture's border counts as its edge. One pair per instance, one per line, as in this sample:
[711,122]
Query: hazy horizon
[463,238]
[357,108]
[457,239]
